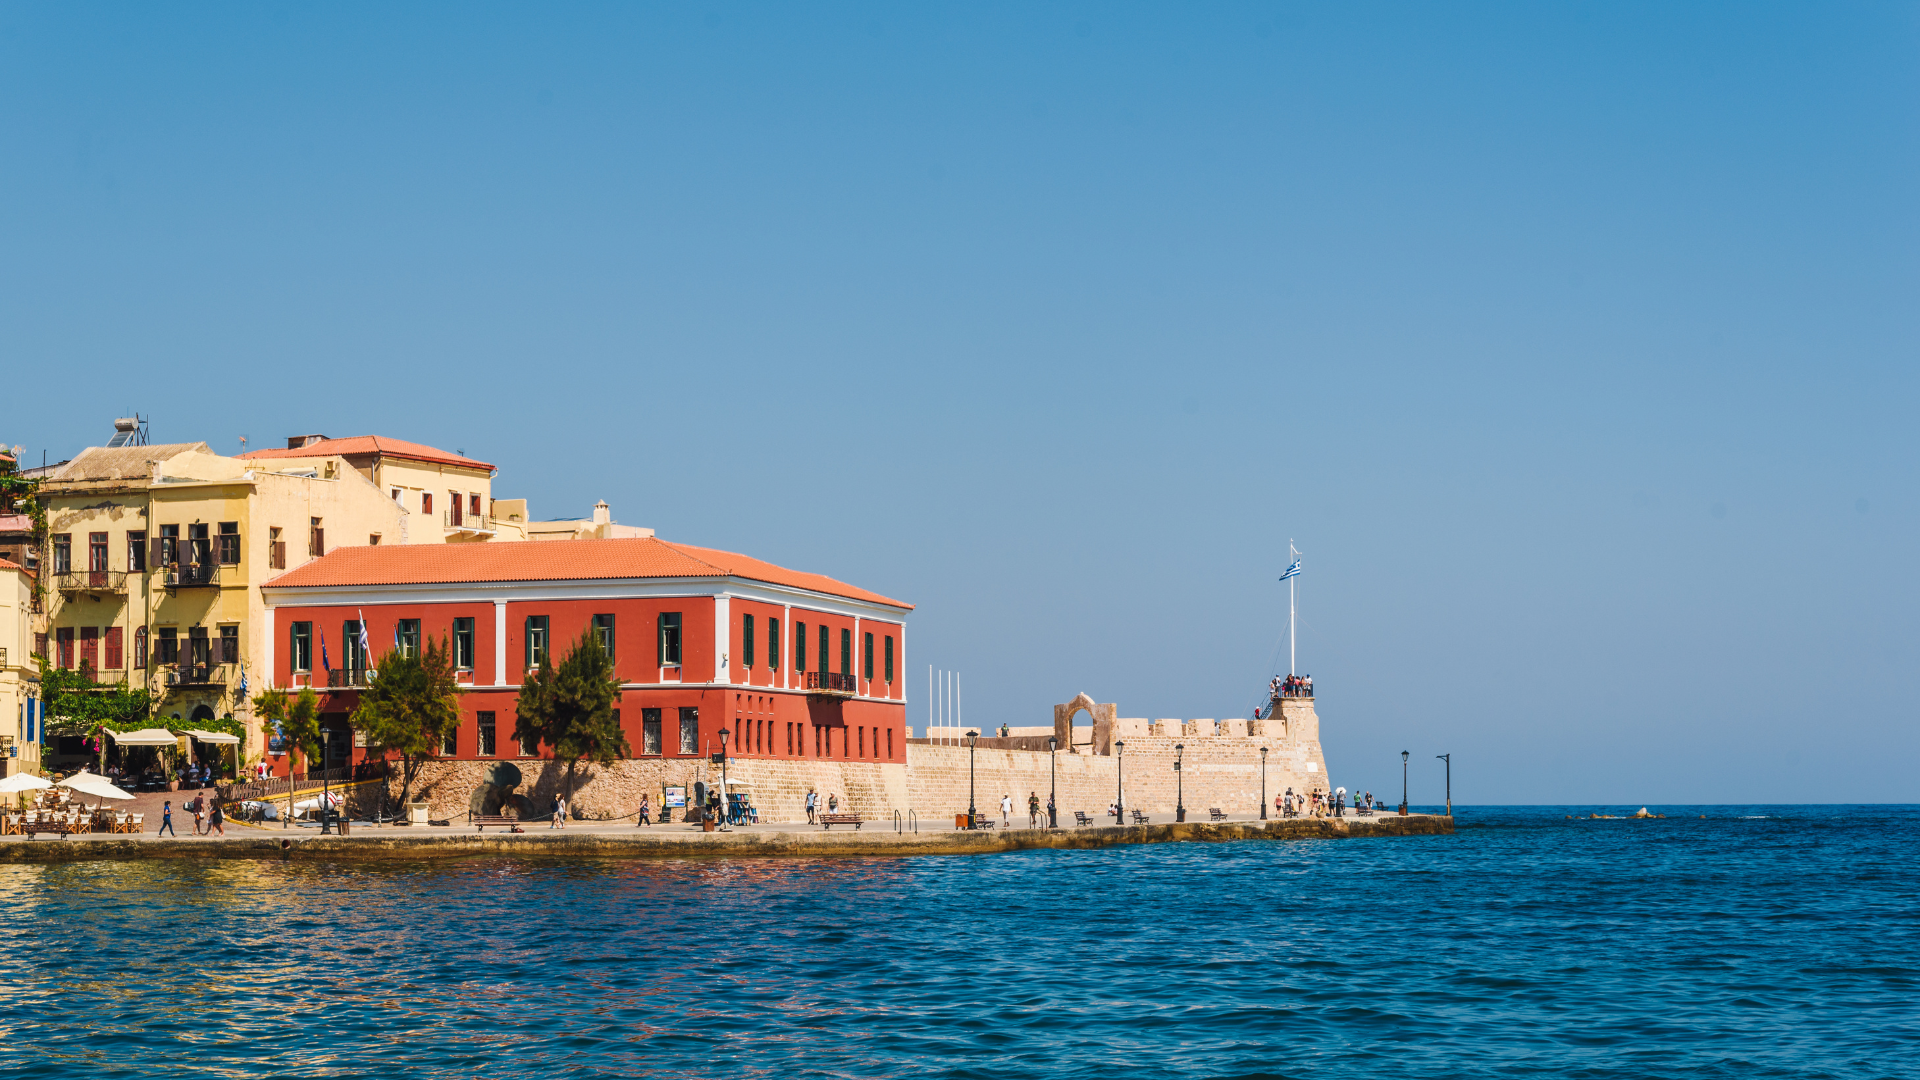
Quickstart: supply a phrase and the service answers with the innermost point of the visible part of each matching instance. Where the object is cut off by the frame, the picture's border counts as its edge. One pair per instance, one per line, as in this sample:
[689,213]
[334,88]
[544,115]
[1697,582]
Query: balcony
[462,521]
[204,575]
[186,676]
[81,582]
[348,678]
[828,684]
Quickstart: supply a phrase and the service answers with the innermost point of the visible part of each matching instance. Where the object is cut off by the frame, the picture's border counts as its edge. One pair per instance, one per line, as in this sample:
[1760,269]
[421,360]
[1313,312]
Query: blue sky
[1574,344]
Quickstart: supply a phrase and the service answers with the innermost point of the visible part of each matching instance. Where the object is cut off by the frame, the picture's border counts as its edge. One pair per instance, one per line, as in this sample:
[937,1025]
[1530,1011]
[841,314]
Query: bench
[1139,818]
[981,821]
[828,821]
[1218,814]
[1080,818]
[481,821]
[61,827]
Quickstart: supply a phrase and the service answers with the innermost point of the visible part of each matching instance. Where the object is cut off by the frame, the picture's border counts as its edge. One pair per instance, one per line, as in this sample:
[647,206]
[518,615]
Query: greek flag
[243,680]
[1292,571]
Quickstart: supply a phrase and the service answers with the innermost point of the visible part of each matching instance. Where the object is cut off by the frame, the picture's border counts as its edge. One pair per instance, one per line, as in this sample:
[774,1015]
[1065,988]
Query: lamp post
[1448,758]
[1120,782]
[725,815]
[973,742]
[1179,784]
[1053,814]
[1403,783]
[1263,783]
[326,761]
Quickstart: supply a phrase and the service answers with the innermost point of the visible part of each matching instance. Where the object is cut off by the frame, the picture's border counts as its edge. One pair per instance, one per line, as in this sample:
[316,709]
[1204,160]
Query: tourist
[1033,809]
[559,813]
[646,813]
[166,820]
[1113,811]
[1006,810]
[833,802]
[215,819]
[813,801]
[199,808]
[1279,806]
[1052,811]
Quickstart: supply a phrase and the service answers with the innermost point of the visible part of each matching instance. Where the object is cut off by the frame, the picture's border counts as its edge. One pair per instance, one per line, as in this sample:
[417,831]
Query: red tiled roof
[7,564]
[369,444]
[550,560]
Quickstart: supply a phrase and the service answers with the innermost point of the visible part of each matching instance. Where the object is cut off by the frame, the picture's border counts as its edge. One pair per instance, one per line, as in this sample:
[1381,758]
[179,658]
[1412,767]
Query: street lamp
[1448,758]
[1263,783]
[326,760]
[1179,784]
[1403,783]
[1053,813]
[1120,780]
[973,741]
[725,825]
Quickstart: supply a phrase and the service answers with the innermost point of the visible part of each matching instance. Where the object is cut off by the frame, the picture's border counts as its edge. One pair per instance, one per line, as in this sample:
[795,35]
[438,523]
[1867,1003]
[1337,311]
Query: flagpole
[1292,614]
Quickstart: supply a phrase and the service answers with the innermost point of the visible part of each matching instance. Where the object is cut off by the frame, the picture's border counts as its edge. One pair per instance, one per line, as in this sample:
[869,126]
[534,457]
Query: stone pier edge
[875,841]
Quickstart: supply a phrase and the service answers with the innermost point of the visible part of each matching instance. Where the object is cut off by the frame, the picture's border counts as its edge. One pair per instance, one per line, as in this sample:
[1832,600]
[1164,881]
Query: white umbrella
[19,782]
[93,784]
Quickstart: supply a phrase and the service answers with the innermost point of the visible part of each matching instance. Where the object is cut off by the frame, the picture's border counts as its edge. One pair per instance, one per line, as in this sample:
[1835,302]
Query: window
[536,641]
[199,545]
[426,502]
[316,539]
[199,648]
[276,549]
[229,543]
[816,741]
[866,656]
[823,651]
[63,639]
[140,646]
[229,646]
[603,633]
[450,743]
[889,744]
[63,554]
[889,662]
[669,638]
[169,552]
[689,729]
[650,732]
[473,504]
[137,551]
[300,647]
[373,539]
[97,551]
[746,641]
[110,646]
[407,634]
[352,656]
[463,644]
[90,648]
[846,652]
[773,644]
[789,739]
[453,497]
[169,651]
[528,746]
[800,647]
[483,730]
[397,499]
[40,644]
[863,742]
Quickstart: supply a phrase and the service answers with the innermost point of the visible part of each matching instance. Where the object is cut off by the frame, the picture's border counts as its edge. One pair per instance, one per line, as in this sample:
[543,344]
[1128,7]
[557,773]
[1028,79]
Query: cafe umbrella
[19,782]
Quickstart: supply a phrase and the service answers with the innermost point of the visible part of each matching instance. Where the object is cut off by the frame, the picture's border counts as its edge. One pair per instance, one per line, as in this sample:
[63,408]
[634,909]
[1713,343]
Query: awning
[213,737]
[152,736]
[93,784]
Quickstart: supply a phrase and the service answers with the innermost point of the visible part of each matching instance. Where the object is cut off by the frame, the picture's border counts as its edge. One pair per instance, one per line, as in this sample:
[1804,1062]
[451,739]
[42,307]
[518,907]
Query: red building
[794,665]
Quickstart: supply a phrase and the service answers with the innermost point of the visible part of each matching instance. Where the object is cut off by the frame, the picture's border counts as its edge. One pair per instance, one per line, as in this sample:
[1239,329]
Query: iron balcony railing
[193,575]
[463,519]
[347,678]
[827,682]
[91,581]
[197,675]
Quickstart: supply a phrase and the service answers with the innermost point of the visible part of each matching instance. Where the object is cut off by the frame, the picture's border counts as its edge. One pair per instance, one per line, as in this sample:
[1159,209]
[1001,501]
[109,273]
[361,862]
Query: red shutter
[115,660]
[90,647]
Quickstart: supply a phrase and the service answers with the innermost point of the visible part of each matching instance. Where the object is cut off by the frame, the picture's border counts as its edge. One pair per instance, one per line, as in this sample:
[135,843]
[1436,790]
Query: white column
[859,662]
[499,643]
[786,650]
[266,649]
[722,632]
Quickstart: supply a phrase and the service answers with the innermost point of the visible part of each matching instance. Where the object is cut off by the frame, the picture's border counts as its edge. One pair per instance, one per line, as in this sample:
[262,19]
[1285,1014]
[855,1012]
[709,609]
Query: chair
[138,824]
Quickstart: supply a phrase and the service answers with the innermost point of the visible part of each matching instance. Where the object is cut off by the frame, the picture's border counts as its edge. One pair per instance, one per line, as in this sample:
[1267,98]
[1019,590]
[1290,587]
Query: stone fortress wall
[1221,768]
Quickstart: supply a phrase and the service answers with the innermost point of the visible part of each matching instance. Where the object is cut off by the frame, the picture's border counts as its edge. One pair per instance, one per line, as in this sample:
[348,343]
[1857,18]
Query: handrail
[830,681]
[91,581]
[898,822]
[913,817]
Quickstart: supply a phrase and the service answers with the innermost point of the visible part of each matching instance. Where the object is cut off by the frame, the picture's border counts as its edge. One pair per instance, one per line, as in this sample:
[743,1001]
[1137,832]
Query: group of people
[1291,686]
[206,815]
[813,805]
[1318,803]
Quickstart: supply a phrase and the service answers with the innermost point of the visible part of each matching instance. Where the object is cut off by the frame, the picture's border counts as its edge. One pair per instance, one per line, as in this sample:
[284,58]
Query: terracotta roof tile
[7,564]
[368,444]
[551,560]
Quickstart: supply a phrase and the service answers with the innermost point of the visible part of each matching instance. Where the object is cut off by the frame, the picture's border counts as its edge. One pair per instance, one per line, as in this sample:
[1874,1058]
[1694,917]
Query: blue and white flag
[243,679]
[1292,571]
[366,647]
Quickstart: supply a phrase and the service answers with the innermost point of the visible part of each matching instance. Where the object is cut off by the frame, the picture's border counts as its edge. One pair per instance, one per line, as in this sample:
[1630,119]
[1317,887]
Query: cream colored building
[447,497]
[19,676]
[600,526]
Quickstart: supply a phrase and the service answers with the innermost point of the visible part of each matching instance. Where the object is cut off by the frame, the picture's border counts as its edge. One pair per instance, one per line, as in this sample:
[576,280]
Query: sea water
[1778,941]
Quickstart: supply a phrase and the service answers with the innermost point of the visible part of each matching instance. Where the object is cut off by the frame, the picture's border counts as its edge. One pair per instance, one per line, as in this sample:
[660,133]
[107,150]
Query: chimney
[601,514]
[296,442]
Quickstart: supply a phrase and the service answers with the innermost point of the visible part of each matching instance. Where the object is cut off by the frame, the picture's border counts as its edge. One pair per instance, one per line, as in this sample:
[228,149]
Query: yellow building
[154,556]
[447,498]
[19,676]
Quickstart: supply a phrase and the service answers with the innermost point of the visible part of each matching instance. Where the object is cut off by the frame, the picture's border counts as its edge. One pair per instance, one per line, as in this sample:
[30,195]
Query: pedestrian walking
[646,813]
[199,808]
[559,813]
[166,819]
[1033,809]
[1006,810]
[1279,806]
[813,803]
[215,819]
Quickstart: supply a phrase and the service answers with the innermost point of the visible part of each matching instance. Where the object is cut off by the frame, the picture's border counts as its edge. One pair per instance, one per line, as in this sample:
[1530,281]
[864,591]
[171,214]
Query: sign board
[674,796]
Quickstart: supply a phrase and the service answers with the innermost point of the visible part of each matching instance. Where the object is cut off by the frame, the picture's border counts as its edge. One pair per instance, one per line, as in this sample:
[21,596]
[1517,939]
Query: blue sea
[1763,941]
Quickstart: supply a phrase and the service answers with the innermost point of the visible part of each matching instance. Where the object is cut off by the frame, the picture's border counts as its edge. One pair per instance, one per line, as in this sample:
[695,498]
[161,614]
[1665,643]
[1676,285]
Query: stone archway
[1102,724]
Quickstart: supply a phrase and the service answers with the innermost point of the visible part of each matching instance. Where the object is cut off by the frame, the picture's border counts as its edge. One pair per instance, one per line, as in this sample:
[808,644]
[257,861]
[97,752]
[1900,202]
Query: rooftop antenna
[243,444]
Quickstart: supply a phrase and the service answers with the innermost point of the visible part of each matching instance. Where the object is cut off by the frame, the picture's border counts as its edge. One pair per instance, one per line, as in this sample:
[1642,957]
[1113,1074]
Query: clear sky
[1573,343]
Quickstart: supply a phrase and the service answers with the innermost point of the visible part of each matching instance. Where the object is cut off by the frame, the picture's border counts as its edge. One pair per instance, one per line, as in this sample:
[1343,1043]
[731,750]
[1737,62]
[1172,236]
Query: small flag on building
[1292,571]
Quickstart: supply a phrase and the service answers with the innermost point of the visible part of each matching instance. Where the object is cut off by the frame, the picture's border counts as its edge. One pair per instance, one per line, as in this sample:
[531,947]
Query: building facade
[19,675]
[792,665]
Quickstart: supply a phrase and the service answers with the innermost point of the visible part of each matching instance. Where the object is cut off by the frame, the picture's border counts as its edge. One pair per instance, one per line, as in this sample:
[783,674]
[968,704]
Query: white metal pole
[1292,610]
[929,698]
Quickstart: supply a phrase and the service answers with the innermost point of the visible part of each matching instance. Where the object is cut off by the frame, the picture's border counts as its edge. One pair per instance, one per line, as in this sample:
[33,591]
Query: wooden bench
[982,821]
[32,827]
[1218,814]
[828,821]
[481,821]
[1080,818]
[1139,818]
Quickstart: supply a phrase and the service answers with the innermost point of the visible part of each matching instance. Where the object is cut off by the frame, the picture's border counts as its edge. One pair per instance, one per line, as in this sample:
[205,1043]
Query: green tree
[298,717]
[569,707]
[409,706]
